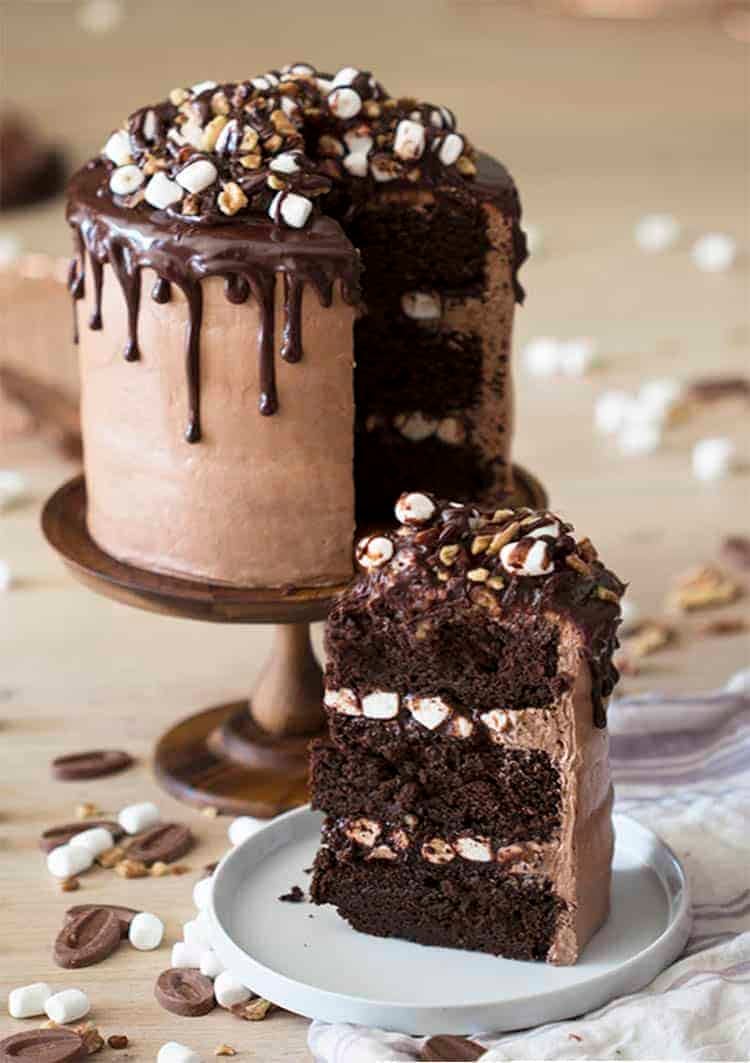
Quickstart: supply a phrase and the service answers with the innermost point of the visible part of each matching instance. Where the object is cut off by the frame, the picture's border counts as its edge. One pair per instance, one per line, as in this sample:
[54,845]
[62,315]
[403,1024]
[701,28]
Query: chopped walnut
[110,857]
[649,637]
[86,810]
[225,1050]
[448,554]
[231,198]
[704,587]
[131,869]
[254,1011]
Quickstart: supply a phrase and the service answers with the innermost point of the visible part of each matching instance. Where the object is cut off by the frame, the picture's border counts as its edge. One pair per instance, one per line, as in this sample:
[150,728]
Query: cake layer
[441,787]
[455,905]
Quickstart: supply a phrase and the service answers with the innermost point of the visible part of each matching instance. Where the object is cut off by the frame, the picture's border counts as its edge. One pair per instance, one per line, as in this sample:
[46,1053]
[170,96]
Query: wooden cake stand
[244,757]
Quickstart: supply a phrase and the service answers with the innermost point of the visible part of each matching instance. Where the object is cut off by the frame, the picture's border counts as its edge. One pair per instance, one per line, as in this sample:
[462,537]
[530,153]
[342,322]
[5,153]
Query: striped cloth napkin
[681,767]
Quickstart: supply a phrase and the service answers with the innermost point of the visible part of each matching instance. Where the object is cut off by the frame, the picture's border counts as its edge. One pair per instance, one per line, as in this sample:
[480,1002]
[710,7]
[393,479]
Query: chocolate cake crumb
[294,896]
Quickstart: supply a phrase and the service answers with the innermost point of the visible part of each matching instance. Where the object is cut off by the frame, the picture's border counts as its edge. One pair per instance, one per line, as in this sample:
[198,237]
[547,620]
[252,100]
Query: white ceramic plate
[308,959]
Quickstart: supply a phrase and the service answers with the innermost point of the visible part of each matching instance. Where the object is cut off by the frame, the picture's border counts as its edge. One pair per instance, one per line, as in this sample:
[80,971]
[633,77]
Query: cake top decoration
[273,144]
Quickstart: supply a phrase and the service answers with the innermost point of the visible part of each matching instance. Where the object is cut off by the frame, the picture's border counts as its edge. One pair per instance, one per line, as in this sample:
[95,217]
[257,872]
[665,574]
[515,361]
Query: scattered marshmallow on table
[12,488]
[6,576]
[540,356]
[210,965]
[67,1006]
[174,1052]
[146,931]
[534,238]
[28,1000]
[575,357]
[657,232]
[639,437]
[657,398]
[228,991]
[611,411]
[184,955]
[196,933]
[714,252]
[243,827]
[630,613]
[135,818]
[68,860]
[202,893]
[97,840]
[713,458]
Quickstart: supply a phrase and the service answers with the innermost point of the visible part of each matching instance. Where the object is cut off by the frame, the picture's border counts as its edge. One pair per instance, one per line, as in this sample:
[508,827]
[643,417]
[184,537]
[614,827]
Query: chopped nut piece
[50,1024]
[178,97]
[728,625]
[496,582]
[480,543]
[159,869]
[249,140]
[211,132]
[501,538]
[225,1050]
[478,575]
[466,167]
[501,514]
[88,808]
[210,812]
[278,184]
[220,103]
[574,561]
[231,198]
[92,1039]
[180,869]
[382,852]
[190,204]
[131,869]
[110,857]
[118,1040]
[448,554]
[371,109]
[648,637]
[704,587]
[443,577]
[364,831]
[251,162]
[151,164]
[254,1011]
[587,550]
[606,594]
[70,885]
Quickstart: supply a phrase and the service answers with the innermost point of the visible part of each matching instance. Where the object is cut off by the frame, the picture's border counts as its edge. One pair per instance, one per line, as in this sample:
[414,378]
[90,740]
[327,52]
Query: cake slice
[465,781]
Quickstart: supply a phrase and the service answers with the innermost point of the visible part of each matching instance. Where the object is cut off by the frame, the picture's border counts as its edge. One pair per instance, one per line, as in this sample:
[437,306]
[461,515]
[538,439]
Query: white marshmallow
[421,306]
[185,955]
[126,180]
[475,849]
[713,458]
[344,701]
[541,356]
[576,356]
[202,891]
[552,529]
[145,932]
[284,162]
[244,827]
[714,252]
[67,1006]
[197,176]
[150,125]
[416,427]
[345,77]
[190,132]
[449,120]
[117,148]
[135,818]
[96,840]
[656,398]
[611,411]
[414,508]
[374,551]
[409,141]
[356,164]
[451,430]
[739,683]
[6,576]
[210,964]
[357,142]
[223,138]
[174,1052]
[161,192]
[451,148]
[344,102]
[430,712]
[534,238]
[13,488]
[380,705]
[294,209]
[656,232]
[68,860]
[263,84]
[228,991]
[28,1000]
[639,436]
[196,934]
[202,86]
[630,613]
[536,561]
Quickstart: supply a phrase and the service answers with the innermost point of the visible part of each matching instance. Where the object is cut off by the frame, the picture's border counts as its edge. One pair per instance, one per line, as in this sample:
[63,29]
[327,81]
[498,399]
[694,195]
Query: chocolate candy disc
[61,835]
[43,1046]
[124,915]
[90,765]
[185,991]
[87,938]
[165,842]
[451,1048]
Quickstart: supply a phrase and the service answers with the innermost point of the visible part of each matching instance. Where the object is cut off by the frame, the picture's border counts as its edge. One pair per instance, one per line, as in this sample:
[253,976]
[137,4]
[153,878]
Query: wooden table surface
[600,122]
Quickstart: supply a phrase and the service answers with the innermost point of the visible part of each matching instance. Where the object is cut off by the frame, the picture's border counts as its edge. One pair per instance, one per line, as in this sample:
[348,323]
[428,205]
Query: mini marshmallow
[202,86]
[244,827]
[714,252]
[534,238]
[374,551]
[657,398]
[68,860]
[356,164]
[28,1000]
[345,77]
[576,356]
[196,934]
[344,701]
[145,932]
[713,458]
[421,306]
[294,209]
[409,140]
[357,142]
[67,1006]
[6,576]
[430,712]
[197,176]
[174,1052]
[228,991]
[630,613]
[541,356]
[161,192]
[552,529]
[534,562]
[380,705]
[13,488]
[414,508]
[185,955]
[739,683]
[135,818]
[475,849]
[210,965]
[202,892]
[656,232]
[117,149]
[639,437]
[451,148]
[96,840]
[344,102]
[222,140]
[611,411]
[284,162]
[125,180]
[150,125]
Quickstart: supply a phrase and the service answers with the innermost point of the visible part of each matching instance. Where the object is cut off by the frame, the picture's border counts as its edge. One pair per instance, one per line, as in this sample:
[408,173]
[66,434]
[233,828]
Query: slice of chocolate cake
[466,780]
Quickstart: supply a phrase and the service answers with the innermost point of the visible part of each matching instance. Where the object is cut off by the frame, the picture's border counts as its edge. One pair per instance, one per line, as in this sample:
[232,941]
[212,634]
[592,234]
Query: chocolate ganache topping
[446,556]
[244,180]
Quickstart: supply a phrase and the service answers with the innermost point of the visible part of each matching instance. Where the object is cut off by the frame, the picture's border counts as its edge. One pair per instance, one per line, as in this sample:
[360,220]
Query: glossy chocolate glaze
[247,255]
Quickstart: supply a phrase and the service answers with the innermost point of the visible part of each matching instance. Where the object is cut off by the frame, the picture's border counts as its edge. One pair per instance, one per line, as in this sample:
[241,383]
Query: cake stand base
[244,757]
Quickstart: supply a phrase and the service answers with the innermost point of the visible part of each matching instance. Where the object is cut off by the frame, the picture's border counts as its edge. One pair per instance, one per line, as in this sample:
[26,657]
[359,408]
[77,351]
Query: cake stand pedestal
[248,756]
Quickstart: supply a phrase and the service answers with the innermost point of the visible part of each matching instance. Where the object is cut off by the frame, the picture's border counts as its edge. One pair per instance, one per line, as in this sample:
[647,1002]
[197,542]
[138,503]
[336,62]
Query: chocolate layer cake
[466,782]
[219,240]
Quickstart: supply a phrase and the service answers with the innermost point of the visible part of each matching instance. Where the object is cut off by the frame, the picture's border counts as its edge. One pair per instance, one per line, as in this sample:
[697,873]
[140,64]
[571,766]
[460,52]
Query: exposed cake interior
[465,780]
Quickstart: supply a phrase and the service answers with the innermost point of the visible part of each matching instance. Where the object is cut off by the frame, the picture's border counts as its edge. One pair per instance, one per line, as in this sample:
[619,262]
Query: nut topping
[438,851]
[363,831]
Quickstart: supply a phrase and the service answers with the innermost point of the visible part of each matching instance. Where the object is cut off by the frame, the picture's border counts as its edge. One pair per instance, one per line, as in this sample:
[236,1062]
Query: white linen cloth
[681,767]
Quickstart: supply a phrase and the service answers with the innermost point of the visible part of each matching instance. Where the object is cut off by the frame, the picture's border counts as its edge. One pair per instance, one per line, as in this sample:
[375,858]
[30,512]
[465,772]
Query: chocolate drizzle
[247,256]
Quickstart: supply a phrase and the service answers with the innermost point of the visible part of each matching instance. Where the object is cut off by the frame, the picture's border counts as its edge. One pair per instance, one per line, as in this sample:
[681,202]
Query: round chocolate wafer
[185,991]
[87,938]
[47,1046]
[54,836]
[165,842]
[124,915]
[93,764]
